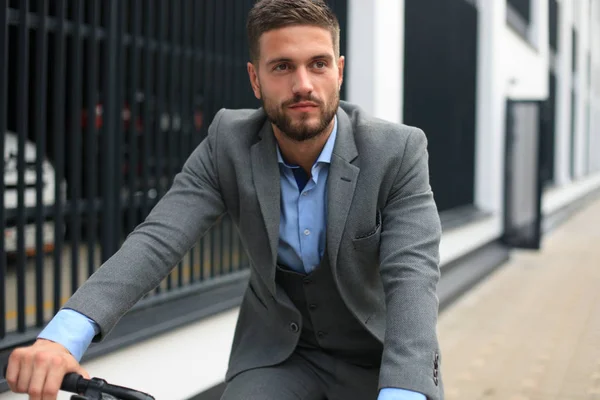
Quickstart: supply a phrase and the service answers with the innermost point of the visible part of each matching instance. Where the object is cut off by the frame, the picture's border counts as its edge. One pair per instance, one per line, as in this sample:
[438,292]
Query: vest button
[312,307]
[294,327]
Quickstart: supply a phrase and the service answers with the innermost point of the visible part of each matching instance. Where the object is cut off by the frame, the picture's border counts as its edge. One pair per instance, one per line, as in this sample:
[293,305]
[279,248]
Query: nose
[302,82]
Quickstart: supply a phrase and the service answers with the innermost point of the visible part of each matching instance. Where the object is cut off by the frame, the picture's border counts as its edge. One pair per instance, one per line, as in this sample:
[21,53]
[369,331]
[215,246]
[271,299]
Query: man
[336,213]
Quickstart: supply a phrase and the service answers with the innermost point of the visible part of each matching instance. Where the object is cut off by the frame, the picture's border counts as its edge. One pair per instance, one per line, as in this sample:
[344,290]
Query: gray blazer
[383,234]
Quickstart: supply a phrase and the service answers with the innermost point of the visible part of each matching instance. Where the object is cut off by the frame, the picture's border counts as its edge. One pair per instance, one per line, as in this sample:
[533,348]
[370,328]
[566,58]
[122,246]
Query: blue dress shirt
[302,230]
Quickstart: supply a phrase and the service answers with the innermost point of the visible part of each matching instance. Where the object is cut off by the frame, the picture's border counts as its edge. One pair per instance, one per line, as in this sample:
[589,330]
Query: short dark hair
[267,15]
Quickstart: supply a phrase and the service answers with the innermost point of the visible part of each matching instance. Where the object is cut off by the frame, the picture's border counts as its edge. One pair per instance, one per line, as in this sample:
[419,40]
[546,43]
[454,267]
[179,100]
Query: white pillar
[594,148]
[564,75]
[375,56]
[491,106]
[581,82]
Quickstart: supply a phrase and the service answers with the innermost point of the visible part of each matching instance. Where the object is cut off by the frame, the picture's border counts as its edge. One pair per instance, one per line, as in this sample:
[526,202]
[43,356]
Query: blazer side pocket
[369,241]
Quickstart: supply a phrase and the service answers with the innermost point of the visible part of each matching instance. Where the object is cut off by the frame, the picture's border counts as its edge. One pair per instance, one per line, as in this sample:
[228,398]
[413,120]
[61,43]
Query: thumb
[81,371]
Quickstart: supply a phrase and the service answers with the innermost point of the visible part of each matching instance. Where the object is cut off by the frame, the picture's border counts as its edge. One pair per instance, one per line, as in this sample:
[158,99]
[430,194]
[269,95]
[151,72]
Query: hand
[39,369]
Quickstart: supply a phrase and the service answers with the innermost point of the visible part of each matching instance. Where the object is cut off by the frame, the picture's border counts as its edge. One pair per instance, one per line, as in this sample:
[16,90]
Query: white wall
[526,62]
[594,148]
[581,22]
[562,154]
[376,56]
[490,109]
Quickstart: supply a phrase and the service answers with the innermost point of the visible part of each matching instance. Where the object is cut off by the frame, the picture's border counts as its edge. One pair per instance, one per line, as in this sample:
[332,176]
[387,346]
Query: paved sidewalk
[532,329]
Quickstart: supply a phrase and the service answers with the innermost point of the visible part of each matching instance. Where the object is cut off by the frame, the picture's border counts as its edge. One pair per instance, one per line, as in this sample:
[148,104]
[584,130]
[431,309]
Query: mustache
[298,99]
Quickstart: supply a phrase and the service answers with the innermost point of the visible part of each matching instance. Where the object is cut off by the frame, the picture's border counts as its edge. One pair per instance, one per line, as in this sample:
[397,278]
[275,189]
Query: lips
[304,106]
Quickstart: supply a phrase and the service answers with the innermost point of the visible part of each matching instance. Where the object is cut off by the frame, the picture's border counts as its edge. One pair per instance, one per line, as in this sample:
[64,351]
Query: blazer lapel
[265,172]
[341,184]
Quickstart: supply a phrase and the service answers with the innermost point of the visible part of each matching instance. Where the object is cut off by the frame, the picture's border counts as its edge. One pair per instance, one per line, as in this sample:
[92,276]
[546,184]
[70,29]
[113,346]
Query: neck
[303,153]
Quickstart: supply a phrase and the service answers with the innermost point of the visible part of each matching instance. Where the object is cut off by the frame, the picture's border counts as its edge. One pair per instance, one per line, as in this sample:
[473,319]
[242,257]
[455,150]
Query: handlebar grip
[71,382]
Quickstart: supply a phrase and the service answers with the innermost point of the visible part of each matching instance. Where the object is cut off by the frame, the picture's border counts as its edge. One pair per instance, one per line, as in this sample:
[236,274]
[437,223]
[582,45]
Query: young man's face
[298,80]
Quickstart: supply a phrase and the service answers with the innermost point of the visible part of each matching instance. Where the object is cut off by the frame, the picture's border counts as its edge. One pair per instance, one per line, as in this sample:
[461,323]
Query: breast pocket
[369,241]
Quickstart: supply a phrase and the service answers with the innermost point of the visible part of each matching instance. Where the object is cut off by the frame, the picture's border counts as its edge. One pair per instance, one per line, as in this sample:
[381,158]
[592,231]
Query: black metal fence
[101,102]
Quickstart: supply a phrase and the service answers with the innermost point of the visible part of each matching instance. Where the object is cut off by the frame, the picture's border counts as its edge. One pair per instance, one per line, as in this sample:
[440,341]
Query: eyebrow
[285,59]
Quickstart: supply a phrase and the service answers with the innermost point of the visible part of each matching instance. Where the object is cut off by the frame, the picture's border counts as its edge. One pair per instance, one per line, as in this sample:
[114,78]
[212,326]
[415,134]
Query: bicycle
[97,389]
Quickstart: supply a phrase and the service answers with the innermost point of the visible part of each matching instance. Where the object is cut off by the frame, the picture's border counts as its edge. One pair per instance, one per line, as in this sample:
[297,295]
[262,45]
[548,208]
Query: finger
[12,372]
[83,373]
[53,382]
[25,371]
[38,378]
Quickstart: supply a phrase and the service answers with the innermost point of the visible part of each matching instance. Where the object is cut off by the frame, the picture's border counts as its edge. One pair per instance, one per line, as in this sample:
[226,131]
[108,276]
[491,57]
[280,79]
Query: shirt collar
[325,156]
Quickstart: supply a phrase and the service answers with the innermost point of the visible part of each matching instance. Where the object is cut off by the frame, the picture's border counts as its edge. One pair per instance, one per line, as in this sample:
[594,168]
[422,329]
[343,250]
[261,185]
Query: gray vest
[327,323]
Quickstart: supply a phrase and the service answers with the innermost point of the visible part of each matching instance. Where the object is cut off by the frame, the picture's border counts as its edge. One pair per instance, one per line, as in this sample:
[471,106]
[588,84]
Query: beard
[301,129]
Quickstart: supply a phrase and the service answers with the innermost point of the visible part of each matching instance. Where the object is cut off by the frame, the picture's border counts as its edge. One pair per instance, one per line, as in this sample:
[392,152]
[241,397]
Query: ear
[253,75]
[341,63]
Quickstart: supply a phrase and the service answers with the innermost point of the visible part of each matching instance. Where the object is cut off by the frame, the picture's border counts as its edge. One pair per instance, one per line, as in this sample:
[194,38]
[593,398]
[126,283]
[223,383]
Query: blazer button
[312,307]
[321,334]
[294,327]
[307,280]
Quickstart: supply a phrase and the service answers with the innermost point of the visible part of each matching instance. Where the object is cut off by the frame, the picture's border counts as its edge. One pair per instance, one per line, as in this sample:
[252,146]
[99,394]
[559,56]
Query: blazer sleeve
[185,213]
[409,268]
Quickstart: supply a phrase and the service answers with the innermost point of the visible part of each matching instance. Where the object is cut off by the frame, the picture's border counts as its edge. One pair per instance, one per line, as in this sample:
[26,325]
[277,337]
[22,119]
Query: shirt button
[304,193]
[306,232]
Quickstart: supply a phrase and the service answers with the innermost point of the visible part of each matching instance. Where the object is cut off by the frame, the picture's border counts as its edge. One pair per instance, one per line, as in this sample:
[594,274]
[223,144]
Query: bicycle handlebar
[95,387]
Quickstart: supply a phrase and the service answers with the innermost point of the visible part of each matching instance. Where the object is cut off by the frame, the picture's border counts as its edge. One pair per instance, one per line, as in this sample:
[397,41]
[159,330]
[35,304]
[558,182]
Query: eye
[320,64]
[281,67]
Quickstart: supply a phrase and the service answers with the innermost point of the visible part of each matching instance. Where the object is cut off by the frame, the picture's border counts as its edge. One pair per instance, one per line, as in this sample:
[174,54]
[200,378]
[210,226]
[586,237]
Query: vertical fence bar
[92,134]
[40,140]
[158,158]
[172,109]
[3,99]
[22,127]
[160,95]
[229,89]
[208,62]
[220,55]
[75,82]
[178,20]
[149,55]
[132,150]
[199,67]
[231,241]
[59,149]
[189,35]
[119,141]
[202,256]
[209,84]
[238,45]
[228,33]
[111,125]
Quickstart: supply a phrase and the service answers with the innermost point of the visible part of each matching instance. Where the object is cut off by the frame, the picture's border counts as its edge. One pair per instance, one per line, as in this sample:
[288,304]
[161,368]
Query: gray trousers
[309,374]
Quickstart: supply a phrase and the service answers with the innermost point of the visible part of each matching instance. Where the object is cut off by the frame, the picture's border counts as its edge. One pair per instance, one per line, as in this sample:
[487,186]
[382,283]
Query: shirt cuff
[72,330]
[399,394]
